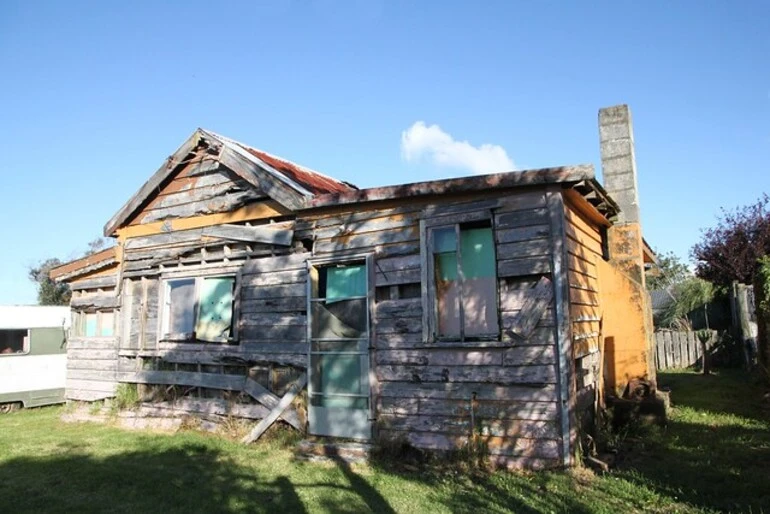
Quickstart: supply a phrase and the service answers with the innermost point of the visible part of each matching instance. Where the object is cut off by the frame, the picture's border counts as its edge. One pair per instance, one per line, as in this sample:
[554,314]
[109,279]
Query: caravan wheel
[5,408]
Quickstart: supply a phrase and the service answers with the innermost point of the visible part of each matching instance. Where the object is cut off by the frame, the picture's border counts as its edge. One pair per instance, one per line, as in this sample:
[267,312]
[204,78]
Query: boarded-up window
[181,306]
[199,308]
[465,281]
[215,312]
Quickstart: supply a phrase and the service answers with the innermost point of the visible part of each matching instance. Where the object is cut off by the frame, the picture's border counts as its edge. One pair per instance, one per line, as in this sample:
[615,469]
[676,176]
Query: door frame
[317,262]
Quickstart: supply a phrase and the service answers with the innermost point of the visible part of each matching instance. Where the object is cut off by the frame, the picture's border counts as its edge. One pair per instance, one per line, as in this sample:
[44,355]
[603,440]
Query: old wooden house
[481,310]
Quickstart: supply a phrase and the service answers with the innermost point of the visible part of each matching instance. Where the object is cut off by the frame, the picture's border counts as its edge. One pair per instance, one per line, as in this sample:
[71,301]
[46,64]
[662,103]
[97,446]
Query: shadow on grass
[707,456]
[192,478]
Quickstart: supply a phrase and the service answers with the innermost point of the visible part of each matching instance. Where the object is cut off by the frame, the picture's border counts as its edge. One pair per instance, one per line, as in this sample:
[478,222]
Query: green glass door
[339,399]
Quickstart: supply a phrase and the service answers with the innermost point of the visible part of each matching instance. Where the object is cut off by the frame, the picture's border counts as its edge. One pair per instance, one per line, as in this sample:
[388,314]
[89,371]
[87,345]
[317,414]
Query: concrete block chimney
[624,237]
[616,135]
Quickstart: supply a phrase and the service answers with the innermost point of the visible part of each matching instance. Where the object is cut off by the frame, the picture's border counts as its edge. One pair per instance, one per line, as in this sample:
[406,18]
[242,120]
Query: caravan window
[14,342]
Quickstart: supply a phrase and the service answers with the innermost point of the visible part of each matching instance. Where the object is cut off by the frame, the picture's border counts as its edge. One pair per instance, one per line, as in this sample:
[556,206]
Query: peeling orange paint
[625,307]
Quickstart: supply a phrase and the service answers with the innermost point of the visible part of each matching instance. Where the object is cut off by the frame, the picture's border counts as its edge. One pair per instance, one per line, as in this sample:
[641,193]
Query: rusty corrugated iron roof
[315,182]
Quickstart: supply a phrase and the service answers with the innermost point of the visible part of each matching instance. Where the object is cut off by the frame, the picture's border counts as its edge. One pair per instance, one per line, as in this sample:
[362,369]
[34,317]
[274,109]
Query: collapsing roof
[286,182]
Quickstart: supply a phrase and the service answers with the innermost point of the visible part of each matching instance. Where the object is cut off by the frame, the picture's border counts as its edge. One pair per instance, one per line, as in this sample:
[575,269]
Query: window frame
[78,326]
[191,337]
[24,344]
[429,298]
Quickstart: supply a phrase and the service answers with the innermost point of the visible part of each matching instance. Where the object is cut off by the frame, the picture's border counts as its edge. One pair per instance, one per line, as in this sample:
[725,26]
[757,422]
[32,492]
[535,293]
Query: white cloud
[423,141]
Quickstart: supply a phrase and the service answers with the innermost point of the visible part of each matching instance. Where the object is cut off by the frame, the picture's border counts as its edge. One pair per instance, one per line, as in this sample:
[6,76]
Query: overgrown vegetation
[689,295]
[762,294]
[126,397]
[713,456]
[668,271]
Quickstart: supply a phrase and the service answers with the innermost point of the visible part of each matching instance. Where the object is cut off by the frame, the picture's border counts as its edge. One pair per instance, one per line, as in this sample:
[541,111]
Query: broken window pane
[215,311]
[465,281]
[181,306]
[479,282]
[447,287]
[340,319]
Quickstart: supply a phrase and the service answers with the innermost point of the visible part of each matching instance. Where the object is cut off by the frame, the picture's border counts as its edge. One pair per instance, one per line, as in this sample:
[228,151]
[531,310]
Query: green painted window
[344,282]
[215,309]
[465,281]
[199,308]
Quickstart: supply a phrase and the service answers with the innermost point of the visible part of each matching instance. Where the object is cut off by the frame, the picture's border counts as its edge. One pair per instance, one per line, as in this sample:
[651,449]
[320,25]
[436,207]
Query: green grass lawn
[714,455]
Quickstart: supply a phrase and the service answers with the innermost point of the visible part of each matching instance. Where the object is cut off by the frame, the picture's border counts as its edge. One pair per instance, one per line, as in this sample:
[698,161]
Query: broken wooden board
[271,401]
[259,234]
[537,301]
[263,425]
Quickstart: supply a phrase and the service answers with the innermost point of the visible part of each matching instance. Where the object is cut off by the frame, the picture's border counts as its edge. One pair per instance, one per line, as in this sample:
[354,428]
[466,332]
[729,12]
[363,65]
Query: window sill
[496,343]
[191,339]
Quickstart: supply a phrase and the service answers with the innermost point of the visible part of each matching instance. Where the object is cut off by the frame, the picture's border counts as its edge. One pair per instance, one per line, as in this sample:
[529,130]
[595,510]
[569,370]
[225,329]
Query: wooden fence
[679,349]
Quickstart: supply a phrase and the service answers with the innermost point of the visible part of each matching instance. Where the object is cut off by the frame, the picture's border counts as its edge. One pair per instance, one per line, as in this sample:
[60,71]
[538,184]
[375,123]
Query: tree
[96,246]
[670,270]
[689,295]
[731,250]
[48,291]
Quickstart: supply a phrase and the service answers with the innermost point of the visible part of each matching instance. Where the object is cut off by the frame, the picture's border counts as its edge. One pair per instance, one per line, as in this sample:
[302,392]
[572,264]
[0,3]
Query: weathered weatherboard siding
[442,394]
[92,359]
[584,249]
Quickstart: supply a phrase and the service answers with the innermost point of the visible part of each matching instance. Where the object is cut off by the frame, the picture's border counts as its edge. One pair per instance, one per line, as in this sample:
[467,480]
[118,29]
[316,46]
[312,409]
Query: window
[463,288]
[199,308]
[14,342]
[93,324]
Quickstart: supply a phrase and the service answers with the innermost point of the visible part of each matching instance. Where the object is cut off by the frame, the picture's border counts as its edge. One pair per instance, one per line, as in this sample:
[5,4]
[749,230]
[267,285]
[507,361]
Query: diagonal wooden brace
[277,411]
[271,401]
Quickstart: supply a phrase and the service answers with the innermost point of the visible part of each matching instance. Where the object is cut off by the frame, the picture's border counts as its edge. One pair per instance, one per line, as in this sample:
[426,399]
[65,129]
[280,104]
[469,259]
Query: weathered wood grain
[462,426]
[273,291]
[103,282]
[538,300]
[188,378]
[508,409]
[209,407]
[289,304]
[93,301]
[440,357]
[294,261]
[524,266]
[258,234]
[537,374]
[86,395]
[275,278]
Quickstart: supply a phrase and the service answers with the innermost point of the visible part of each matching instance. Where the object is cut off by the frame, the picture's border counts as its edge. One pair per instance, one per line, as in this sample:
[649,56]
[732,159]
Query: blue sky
[94,96]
